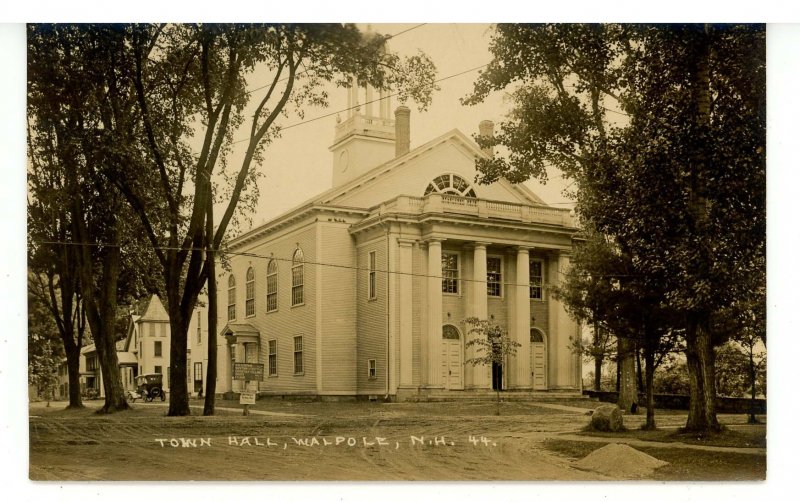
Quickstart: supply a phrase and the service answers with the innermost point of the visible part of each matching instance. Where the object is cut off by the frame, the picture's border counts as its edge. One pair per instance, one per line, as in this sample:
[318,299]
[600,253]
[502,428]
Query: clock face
[344,160]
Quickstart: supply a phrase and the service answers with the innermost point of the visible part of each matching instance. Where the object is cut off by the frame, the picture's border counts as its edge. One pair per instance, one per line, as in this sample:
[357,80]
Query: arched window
[450,184]
[297,277]
[537,336]
[231,298]
[250,293]
[450,332]
[272,286]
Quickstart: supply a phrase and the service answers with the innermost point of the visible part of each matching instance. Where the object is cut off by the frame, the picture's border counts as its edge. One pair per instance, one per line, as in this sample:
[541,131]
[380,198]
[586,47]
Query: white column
[521,313]
[482,376]
[435,313]
[566,331]
[405,313]
[561,327]
[368,102]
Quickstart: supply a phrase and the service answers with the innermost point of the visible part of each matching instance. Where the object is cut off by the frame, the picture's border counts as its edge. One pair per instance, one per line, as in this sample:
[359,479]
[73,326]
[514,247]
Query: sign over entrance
[248,371]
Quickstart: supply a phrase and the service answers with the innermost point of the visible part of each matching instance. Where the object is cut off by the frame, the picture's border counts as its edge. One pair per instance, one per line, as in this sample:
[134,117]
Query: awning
[240,333]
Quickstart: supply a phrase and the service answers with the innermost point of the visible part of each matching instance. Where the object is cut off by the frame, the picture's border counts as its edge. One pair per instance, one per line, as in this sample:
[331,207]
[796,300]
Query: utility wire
[330,114]
[321,264]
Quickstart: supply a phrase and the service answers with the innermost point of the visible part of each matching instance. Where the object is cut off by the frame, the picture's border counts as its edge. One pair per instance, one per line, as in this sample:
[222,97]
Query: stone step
[472,395]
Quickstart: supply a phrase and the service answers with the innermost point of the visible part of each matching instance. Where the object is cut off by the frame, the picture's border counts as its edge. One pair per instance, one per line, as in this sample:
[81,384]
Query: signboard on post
[247,398]
[248,371]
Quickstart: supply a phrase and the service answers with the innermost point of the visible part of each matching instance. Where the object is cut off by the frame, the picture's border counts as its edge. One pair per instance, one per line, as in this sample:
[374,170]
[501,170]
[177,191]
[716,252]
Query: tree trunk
[650,368]
[102,312]
[179,329]
[700,362]
[211,369]
[628,397]
[598,360]
[100,304]
[639,380]
[752,418]
[74,375]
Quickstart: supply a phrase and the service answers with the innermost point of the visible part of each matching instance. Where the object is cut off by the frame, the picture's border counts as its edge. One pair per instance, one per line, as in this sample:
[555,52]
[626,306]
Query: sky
[298,165]
[454,48]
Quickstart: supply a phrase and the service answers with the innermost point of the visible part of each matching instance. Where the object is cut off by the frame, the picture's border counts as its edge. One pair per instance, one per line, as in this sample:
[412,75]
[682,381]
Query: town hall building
[363,290]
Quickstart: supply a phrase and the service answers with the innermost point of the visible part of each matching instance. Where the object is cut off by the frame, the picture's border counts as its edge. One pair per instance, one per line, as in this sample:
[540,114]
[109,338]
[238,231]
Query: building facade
[363,290]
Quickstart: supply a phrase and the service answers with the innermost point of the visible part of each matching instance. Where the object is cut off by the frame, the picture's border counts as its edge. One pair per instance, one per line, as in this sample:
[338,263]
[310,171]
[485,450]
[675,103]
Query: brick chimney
[486,129]
[402,127]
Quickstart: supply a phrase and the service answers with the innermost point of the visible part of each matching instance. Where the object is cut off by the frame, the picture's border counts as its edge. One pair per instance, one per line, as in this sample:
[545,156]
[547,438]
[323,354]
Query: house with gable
[148,339]
[363,290]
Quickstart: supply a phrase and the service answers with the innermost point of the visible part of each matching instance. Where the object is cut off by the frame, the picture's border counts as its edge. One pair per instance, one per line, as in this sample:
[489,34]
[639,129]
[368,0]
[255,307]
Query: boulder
[607,417]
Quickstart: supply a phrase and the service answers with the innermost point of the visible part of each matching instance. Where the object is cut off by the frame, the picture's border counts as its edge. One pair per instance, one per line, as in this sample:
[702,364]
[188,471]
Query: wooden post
[246,408]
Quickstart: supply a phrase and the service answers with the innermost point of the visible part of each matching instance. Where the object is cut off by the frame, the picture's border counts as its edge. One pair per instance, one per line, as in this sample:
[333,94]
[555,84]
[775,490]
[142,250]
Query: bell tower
[366,138]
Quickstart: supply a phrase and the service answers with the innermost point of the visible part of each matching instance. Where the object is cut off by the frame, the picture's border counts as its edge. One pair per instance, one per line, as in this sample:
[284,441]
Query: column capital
[477,245]
[522,249]
[405,242]
[433,240]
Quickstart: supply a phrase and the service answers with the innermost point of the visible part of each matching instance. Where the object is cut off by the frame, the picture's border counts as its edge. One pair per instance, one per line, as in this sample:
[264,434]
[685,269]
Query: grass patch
[684,465]
[743,437]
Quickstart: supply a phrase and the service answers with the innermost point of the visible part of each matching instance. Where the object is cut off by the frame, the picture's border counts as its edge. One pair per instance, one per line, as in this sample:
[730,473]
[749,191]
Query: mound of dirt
[620,461]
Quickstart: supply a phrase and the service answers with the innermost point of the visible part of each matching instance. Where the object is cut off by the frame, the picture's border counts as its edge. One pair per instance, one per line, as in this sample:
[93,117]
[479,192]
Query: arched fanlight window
[250,293]
[272,285]
[297,277]
[450,184]
[450,332]
[537,336]
[231,298]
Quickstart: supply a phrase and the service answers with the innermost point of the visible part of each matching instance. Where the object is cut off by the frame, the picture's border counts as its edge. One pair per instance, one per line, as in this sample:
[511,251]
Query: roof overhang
[240,333]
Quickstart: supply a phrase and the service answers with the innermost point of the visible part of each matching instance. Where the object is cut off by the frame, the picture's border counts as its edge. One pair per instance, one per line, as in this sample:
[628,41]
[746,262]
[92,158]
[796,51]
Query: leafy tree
[493,346]
[672,377]
[663,130]
[44,349]
[169,84]
[82,238]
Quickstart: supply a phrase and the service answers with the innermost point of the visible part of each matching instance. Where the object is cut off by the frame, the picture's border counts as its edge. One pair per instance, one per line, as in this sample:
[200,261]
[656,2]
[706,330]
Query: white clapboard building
[363,290]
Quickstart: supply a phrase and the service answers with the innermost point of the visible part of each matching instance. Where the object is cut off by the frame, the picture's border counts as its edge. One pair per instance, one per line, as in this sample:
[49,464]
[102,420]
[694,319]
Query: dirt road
[140,446]
[313,441]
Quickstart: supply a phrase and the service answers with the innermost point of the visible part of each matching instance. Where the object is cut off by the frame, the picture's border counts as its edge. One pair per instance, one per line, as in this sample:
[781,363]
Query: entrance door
[538,360]
[452,358]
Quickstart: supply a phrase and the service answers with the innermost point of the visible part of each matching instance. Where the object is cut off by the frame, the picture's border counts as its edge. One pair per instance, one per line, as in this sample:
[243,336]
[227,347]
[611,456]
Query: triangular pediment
[410,174]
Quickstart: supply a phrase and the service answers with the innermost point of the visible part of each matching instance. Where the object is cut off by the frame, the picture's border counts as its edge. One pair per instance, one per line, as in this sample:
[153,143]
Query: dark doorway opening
[497,376]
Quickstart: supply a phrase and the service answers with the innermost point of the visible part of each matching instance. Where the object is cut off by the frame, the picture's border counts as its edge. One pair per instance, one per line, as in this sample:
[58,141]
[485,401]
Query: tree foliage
[663,130]
[172,98]
[492,343]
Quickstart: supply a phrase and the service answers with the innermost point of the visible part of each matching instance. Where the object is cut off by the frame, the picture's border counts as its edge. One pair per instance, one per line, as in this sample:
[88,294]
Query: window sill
[299,305]
[272,376]
[302,373]
[249,316]
[272,311]
[373,299]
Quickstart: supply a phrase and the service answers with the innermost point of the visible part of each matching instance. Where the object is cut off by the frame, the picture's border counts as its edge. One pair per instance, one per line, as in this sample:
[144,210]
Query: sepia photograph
[396,252]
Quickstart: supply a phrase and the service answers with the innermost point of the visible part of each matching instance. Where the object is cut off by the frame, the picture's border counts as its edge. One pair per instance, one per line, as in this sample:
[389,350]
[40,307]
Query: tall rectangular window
[198,371]
[297,278]
[250,293]
[372,279]
[231,298]
[157,369]
[536,279]
[272,286]
[298,354]
[157,349]
[494,276]
[188,370]
[199,324]
[372,369]
[273,358]
[450,273]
